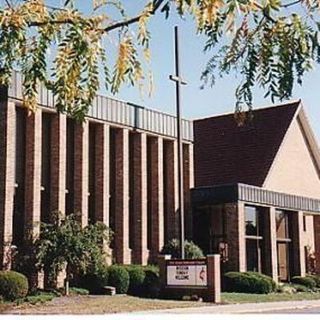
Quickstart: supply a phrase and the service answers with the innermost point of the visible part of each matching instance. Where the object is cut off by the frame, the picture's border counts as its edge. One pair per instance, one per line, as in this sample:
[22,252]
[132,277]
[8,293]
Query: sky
[197,103]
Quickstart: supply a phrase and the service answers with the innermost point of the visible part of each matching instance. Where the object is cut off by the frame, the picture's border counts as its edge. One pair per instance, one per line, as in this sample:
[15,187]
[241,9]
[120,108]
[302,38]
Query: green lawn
[233,297]
[124,303]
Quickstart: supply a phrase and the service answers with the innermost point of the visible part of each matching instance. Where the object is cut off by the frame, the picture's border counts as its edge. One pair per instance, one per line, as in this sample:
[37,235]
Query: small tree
[64,244]
[192,251]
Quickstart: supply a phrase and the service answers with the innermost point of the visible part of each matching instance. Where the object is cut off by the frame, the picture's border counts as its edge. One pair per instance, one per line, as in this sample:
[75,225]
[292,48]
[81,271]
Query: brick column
[171,190]
[33,174]
[140,253]
[241,237]
[81,170]
[58,164]
[7,181]
[188,180]
[235,237]
[156,205]
[214,277]
[298,259]
[122,251]
[270,258]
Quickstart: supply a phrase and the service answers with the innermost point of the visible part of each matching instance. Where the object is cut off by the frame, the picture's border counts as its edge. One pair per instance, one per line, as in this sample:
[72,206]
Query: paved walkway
[244,308]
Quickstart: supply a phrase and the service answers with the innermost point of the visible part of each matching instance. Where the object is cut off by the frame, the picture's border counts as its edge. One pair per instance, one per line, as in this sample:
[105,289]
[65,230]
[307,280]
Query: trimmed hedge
[248,282]
[316,278]
[94,282]
[301,288]
[13,285]
[136,279]
[151,283]
[119,278]
[79,291]
[305,281]
[272,283]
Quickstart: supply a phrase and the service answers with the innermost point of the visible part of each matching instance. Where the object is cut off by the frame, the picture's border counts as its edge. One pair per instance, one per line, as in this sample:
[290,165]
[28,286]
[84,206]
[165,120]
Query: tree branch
[8,4]
[156,5]
[291,4]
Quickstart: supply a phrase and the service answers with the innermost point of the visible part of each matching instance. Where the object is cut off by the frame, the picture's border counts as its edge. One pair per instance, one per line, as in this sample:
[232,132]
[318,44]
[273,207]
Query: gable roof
[227,153]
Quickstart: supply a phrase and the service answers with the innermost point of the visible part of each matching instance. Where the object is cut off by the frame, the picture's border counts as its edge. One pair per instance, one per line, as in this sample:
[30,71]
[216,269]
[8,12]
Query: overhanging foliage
[271,43]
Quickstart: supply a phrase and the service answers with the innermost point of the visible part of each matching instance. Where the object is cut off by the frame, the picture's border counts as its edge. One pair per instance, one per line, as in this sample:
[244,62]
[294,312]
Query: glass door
[283,261]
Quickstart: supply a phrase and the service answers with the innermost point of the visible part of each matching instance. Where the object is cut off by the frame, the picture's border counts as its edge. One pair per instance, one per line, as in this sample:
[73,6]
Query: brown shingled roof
[227,153]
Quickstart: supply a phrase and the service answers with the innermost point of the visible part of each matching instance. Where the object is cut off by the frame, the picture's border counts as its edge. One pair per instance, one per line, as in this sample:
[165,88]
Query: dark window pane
[253,255]
[251,221]
[282,224]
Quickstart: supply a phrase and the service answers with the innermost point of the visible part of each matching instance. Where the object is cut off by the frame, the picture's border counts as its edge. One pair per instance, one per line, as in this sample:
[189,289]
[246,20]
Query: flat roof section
[115,111]
[230,193]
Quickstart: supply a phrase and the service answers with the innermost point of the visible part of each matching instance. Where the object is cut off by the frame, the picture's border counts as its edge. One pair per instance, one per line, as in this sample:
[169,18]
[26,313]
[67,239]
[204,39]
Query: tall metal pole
[178,80]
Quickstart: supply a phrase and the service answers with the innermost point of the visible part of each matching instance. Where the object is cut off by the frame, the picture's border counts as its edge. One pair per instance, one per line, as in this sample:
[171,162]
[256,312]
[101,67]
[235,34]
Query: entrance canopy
[251,194]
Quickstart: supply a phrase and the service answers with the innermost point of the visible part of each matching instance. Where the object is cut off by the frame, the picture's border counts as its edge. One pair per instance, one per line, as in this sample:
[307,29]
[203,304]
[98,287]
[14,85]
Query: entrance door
[283,261]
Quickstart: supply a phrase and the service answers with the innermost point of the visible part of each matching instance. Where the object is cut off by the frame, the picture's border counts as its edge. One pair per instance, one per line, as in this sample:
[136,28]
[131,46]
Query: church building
[252,191]
[257,191]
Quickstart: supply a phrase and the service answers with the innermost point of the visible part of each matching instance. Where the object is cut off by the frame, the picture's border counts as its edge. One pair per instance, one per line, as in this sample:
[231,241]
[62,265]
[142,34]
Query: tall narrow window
[165,190]
[304,222]
[132,222]
[91,168]
[20,161]
[112,217]
[254,238]
[45,167]
[283,244]
[149,193]
[70,167]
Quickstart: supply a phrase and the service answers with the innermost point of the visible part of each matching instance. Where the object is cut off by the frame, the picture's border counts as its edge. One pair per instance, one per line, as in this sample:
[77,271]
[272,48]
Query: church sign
[200,277]
[187,273]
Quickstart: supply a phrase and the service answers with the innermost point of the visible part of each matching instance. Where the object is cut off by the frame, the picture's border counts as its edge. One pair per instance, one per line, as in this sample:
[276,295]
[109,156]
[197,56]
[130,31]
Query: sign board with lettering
[200,277]
[187,273]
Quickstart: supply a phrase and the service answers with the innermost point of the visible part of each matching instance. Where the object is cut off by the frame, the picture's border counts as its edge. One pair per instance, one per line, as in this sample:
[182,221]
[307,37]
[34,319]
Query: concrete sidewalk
[242,308]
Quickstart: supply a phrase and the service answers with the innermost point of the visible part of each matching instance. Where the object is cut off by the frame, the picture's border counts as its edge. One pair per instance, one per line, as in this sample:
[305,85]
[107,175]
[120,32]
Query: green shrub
[151,283]
[136,279]
[13,285]
[301,288]
[192,251]
[305,281]
[272,283]
[119,278]
[286,288]
[95,280]
[153,268]
[39,298]
[316,278]
[246,283]
[78,291]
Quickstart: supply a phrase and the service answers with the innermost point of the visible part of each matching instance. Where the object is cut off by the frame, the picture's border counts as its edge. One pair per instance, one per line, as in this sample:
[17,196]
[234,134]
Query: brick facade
[69,182]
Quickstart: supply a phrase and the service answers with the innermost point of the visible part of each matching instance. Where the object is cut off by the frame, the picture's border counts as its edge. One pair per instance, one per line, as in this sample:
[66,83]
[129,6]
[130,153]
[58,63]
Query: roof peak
[256,109]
